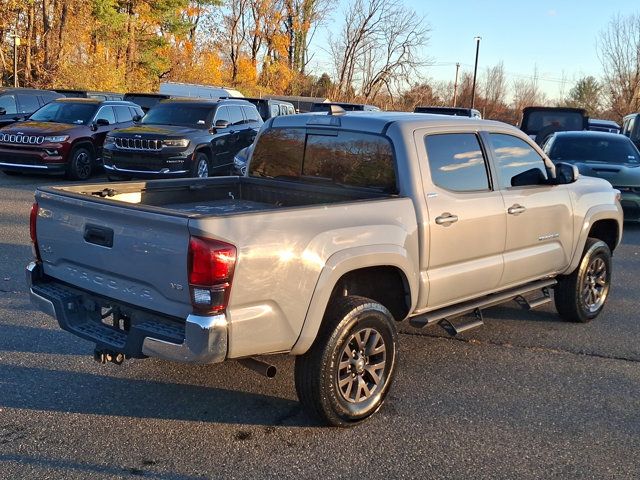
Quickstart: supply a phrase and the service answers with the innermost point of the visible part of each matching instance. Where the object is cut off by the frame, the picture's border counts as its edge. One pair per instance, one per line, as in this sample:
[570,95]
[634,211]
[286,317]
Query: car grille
[23,139]
[138,143]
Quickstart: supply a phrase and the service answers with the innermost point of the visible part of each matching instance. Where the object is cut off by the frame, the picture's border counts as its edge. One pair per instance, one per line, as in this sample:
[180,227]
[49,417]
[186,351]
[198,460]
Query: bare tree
[494,91]
[619,52]
[378,48]
[235,32]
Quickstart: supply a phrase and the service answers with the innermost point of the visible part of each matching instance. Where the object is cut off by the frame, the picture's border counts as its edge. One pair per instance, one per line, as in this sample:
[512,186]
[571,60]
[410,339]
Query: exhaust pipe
[258,366]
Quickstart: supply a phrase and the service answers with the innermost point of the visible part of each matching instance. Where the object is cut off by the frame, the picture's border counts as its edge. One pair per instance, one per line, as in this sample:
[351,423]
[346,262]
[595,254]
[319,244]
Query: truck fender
[594,214]
[341,263]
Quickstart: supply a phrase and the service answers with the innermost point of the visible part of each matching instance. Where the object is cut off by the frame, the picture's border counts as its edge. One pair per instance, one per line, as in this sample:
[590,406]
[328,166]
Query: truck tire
[346,374]
[200,167]
[581,296]
[80,163]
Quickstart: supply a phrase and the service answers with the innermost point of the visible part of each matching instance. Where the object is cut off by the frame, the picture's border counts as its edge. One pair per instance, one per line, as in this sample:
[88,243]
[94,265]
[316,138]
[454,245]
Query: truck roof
[377,122]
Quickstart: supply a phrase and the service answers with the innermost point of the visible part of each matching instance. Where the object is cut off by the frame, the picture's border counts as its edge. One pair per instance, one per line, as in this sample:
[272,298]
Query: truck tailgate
[134,256]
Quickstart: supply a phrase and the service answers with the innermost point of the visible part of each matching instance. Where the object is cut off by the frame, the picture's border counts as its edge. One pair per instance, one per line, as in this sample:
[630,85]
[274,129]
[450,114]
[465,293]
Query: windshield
[596,149]
[178,114]
[63,112]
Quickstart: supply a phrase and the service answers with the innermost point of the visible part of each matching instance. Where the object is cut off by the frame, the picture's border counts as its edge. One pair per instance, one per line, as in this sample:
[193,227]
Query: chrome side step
[445,315]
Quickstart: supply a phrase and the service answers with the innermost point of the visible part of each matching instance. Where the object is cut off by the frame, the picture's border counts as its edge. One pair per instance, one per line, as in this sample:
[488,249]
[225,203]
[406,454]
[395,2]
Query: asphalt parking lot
[526,396]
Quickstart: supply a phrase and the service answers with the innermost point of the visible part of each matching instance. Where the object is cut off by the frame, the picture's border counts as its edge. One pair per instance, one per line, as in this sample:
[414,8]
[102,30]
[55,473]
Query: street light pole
[475,73]
[455,86]
[16,43]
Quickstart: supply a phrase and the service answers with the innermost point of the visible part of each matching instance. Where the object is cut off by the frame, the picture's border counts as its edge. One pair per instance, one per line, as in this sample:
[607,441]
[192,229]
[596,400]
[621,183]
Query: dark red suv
[64,137]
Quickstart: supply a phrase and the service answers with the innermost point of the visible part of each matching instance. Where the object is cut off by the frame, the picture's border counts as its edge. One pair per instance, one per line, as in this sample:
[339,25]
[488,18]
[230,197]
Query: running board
[461,309]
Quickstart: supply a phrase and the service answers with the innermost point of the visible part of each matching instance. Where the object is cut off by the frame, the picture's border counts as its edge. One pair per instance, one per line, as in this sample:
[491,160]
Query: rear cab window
[347,158]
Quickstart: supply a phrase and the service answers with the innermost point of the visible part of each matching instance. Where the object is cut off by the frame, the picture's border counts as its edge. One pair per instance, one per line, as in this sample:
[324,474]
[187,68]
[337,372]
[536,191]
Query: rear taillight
[33,216]
[211,265]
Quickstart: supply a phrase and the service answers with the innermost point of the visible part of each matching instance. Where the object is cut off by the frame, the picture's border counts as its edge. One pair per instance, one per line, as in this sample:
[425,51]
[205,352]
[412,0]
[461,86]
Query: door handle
[446,219]
[515,209]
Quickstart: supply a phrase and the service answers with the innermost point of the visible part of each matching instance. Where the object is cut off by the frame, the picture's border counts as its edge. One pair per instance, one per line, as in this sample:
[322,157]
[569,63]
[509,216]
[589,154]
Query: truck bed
[220,196]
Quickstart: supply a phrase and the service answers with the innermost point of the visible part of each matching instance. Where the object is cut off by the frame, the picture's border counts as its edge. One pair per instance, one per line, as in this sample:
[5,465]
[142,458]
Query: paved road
[526,396]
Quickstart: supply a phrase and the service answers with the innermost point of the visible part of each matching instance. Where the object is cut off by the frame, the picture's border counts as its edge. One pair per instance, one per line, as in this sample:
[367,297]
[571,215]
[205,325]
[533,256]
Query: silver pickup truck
[344,225]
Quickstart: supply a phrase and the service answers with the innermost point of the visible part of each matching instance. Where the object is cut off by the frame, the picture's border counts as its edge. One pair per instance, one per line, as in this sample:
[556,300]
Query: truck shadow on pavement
[36,388]
[26,339]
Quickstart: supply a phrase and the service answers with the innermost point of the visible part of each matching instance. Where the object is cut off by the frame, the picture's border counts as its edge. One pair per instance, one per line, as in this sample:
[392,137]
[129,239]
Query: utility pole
[475,73]
[16,43]
[455,86]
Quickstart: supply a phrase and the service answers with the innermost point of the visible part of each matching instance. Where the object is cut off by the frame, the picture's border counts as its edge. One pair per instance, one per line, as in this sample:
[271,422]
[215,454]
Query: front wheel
[346,374]
[581,296]
[80,164]
[200,166]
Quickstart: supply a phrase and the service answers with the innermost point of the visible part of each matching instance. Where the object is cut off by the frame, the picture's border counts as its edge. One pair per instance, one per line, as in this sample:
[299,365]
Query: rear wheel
[80,164]
[201,166]
[345,376]
[581,296]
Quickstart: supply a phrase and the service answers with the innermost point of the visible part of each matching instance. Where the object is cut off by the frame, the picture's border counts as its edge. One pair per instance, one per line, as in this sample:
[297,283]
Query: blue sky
[556,37]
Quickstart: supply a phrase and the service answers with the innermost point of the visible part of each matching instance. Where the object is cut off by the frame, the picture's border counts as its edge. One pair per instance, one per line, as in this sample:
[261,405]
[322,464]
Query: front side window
[251,114]
[456,162]
[8,102]
[221,114]
[65,112]
[235,115]
[514,157]
[346,158]
[106,113]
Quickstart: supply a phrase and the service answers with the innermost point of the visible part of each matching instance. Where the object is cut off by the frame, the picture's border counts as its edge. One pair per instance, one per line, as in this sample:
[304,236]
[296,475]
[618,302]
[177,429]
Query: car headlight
[56,138]
[238,161]
[176,142]
[109,140]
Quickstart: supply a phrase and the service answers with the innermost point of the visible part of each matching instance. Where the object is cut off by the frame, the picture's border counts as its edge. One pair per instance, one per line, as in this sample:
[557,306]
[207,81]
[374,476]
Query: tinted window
[235,115]
[8,102]
[107,114]
[62,112]
[608,149]
[183,115]
[222,114]
[514,156]
[123,114]
[347,158]
[251,114]
[28,103]
[541,119]
[456,162]
[275,110]
[628,131]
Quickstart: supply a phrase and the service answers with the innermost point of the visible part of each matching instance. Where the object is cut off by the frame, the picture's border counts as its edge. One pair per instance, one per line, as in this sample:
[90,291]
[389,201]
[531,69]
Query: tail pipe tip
[258,366]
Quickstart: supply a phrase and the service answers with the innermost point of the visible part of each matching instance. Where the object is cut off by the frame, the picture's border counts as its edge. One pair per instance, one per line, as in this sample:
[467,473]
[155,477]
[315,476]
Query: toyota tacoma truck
[344,225]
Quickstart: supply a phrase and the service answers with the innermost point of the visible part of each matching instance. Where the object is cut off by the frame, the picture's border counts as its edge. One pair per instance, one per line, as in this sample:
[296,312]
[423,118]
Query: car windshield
[65,112]
[178,114]
[609,149]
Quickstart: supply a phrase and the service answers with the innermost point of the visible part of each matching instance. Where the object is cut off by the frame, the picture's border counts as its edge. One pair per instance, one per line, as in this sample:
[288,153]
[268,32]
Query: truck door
[539,216]
[467,224]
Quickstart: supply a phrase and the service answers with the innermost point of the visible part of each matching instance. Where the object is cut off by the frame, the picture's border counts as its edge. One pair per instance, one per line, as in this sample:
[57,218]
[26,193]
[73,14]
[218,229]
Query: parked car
[631,128]
[183,137]
[270,108]
[540,122]
[455,111]
[241,159]
[17,104]
[176,89]
[347,107]
[344,226]
[599,125]
[146,100]
[64,137]
[610,156]
[70,93]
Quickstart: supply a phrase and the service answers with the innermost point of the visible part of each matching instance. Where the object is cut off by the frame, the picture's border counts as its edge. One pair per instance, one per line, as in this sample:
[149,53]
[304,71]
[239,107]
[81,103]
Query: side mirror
[137,118]
[566,173]
[102,122]
[533,176]
[3,111]
[221,124]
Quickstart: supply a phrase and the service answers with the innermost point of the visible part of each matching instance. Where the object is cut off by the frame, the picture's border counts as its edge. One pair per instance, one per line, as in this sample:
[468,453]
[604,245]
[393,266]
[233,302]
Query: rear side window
[8,102]
[123,114]
[251,114]
[347,158]
[235,115]
[275,110]
[28,103]
[514,156]
[456,162]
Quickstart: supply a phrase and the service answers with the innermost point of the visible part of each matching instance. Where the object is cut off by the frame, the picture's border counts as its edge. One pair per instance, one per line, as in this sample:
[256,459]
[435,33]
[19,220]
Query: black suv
[182,138]
[18,103]
[631,128]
